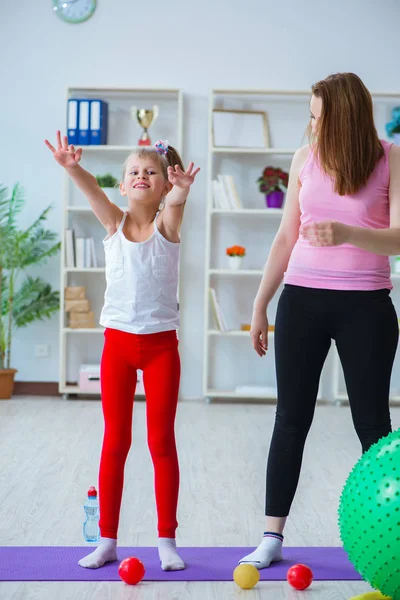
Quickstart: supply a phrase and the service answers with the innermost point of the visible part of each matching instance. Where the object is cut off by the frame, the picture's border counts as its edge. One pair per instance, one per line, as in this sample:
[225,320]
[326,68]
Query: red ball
[300,577]
[131,570]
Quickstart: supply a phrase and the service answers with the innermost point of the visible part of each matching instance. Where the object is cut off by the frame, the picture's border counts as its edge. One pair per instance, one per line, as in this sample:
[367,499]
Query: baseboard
[36,388]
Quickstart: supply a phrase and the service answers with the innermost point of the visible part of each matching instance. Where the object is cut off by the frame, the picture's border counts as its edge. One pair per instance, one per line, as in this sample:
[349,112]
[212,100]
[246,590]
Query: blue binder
[84,130]
[98,122]
[73,120]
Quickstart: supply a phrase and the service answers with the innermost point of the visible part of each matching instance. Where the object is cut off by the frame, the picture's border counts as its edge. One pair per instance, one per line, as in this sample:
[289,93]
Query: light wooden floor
[49,451]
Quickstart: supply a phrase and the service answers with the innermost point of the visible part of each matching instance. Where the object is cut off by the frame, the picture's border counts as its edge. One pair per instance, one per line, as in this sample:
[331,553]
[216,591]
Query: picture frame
[239,128]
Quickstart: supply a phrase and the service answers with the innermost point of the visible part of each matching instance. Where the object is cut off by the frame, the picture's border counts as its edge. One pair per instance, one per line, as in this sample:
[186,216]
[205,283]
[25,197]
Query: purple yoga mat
[54,563]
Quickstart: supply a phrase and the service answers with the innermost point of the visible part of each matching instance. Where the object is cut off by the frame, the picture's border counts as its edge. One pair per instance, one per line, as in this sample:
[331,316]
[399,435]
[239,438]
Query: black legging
[365,328]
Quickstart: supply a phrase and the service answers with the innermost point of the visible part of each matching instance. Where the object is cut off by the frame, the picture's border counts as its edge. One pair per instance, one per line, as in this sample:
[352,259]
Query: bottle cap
[92,493]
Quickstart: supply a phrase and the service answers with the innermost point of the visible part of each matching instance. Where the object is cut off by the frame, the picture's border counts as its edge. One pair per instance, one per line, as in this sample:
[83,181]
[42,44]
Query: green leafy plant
[23,298]
[394,125]
[107,181]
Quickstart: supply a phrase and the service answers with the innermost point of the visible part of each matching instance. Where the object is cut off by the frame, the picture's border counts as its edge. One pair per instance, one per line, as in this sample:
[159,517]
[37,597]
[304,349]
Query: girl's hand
[65,155]
[326,233]
[259,332]
[182,179]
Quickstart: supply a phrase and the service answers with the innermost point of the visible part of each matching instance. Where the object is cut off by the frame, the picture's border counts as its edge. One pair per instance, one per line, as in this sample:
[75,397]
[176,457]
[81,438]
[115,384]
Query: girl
[344,201]
[141,316]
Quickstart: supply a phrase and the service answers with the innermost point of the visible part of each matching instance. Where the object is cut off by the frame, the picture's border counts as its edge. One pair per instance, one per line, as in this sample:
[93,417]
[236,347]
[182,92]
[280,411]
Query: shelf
[229,333]
[78,214]
[236,92]
[122,90]
[289,93]
[85,270]
[88,209]
[235,394]
[227,150]
[222,223]
[79,209]
[107,148]
[83,330]
[74,389]
[236,273]
[265,212]
[345,398]
[233,333]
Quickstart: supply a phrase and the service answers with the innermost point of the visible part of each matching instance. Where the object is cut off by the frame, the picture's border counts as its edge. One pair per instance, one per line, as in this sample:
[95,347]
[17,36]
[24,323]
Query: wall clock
[74,11]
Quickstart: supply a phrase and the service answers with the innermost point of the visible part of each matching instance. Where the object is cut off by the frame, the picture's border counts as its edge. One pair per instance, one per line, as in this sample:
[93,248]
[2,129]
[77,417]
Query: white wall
[194,46]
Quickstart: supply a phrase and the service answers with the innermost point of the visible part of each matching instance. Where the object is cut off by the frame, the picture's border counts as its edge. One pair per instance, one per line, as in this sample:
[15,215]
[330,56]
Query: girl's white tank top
[142,283]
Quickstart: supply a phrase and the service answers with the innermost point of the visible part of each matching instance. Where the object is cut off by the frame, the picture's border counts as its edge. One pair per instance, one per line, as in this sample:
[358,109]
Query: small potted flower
[236,254]
[110,186]
[393,127]
[273,183]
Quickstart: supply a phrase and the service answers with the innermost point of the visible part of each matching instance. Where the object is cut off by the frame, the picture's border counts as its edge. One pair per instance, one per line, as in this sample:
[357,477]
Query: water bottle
[91,530]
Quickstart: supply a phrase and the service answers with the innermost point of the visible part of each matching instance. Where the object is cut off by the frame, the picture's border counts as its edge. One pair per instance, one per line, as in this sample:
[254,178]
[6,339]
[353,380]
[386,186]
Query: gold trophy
[145,117]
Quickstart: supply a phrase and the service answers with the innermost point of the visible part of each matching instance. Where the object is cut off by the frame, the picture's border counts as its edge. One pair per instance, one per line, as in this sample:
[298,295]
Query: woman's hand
[65,154]
[259,332]
[326,233]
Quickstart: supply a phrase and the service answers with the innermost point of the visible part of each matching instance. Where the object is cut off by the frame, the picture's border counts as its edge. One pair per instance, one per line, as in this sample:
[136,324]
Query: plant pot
[235,262]
[274,199]
[114,195]
[396,139]
[6,383]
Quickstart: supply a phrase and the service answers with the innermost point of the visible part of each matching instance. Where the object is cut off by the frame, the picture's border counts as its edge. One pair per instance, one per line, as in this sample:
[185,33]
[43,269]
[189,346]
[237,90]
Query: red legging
[157,355]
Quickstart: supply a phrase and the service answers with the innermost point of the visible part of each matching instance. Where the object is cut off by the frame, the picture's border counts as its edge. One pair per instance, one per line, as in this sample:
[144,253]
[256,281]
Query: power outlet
[42,350]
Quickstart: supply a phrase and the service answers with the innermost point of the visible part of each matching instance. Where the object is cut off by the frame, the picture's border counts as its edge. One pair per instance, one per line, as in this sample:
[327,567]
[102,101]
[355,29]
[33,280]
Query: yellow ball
[246,576]
[371,596]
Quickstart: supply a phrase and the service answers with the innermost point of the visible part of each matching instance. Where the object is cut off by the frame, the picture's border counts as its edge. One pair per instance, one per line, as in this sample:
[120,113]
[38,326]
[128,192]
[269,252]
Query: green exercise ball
[369,515]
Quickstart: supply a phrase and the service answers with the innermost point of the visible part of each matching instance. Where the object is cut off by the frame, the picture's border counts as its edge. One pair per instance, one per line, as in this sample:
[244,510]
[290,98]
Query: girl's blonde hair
[169,159]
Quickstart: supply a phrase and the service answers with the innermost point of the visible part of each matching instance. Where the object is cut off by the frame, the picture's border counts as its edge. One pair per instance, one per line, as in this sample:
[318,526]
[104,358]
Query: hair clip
[162,147]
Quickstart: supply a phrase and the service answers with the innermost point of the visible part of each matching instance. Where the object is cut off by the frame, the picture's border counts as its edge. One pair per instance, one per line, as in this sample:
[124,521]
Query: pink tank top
[341,267]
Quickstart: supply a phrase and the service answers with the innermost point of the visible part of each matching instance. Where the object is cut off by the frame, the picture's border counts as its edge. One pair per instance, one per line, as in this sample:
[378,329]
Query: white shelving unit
[288,114]
[79,346]
[222,225]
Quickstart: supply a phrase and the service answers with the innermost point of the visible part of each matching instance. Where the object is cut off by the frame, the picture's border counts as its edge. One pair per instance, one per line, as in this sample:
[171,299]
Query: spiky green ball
[369,515]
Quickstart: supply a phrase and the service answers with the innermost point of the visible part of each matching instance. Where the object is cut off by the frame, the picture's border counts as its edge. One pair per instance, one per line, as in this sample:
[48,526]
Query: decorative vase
[235,262]
[114,195]
[274,199]
[6,383]
[396,139]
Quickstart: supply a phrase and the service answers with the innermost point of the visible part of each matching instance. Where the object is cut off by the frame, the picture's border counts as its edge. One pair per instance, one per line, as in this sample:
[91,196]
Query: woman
[341,222]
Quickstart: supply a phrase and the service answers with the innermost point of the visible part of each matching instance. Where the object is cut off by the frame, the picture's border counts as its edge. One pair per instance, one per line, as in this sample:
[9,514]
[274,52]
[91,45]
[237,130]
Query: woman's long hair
[346,142]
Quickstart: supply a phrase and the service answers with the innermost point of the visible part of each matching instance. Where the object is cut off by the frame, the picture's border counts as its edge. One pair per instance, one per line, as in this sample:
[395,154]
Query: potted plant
[393,127]
[236,254]
[273,183]
[23,298]
[110,186]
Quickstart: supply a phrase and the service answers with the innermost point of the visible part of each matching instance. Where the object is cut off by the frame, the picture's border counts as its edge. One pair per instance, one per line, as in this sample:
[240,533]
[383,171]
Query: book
[98,122]
[227,200]
[80,252]
[84,115]
[217,312]
[257,390]
[216,193]
[73,120]
[93,253]
[70,248]
[88,253]
[232,190]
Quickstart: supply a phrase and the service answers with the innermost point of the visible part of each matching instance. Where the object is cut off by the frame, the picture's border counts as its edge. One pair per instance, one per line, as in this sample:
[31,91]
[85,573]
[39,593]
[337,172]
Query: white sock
[270,550]
[169,557]
[106,551]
